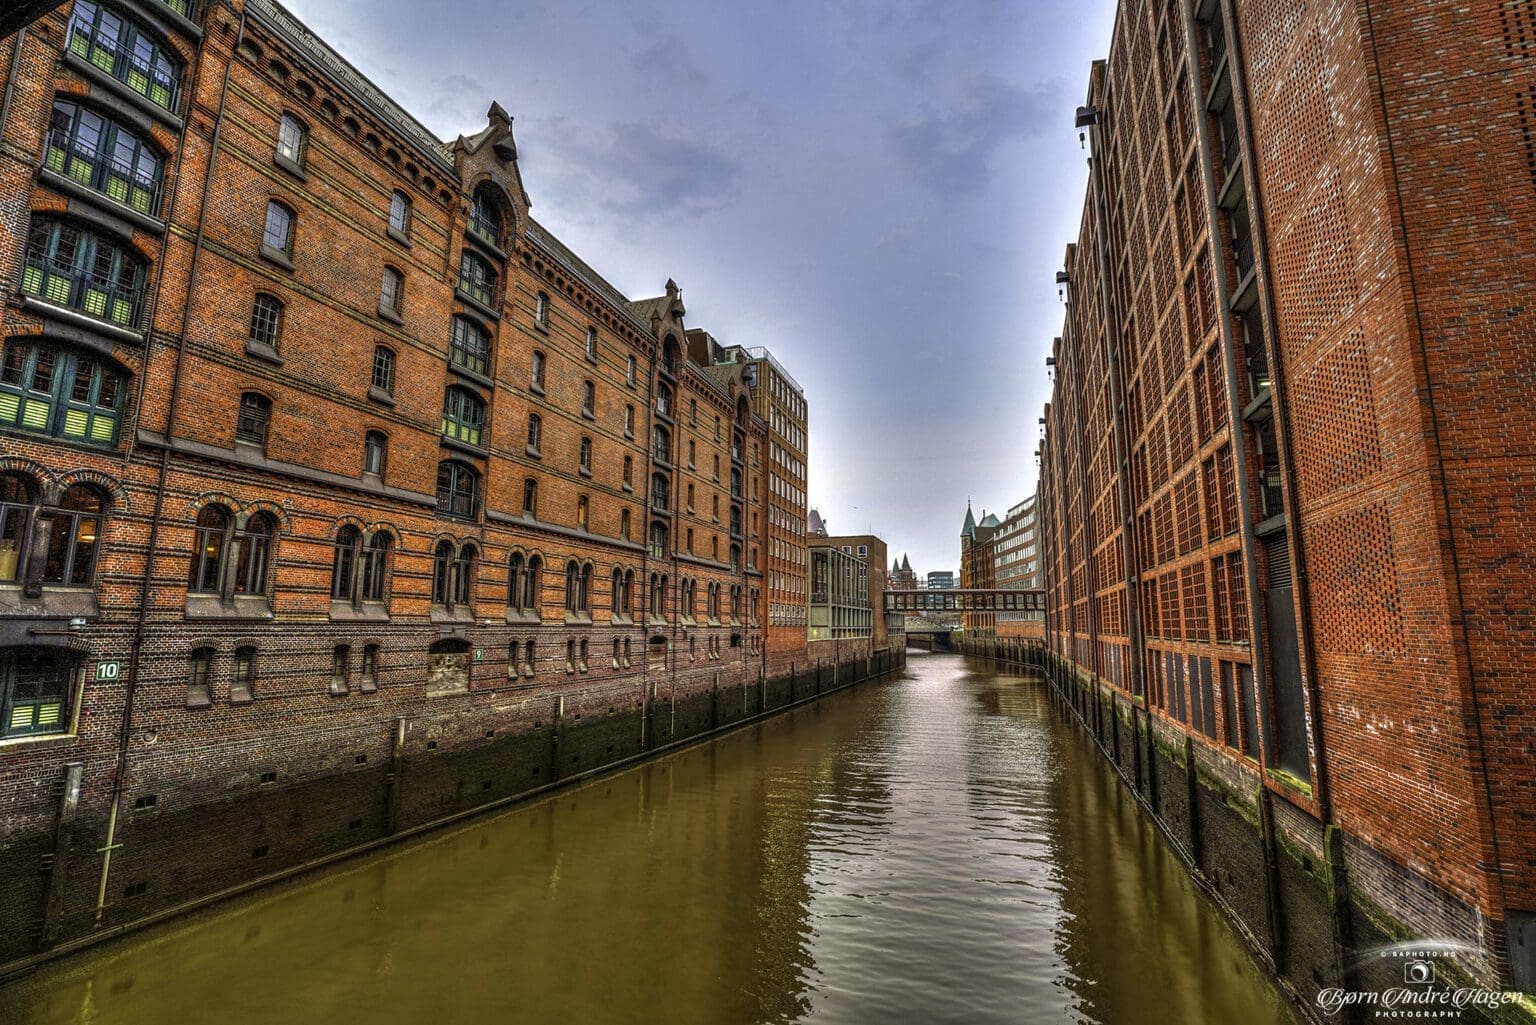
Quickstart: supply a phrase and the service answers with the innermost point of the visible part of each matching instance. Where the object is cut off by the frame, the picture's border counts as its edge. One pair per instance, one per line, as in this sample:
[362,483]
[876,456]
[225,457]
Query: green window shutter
[49,714]
[54,159]
[139,200]
[161,95]
[122,311]
[117,188]
[472,435]
[138,81]
[80,44]
[103,60]
[34,415]
[447,431]
[32,281]
[95,302]
[75,423]
[80,169]
[10,406]
[22,718]
[56,289]
[103,428]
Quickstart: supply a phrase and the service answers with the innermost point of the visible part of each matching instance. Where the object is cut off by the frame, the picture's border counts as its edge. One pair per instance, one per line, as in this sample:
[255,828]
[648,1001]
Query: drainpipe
[119,771]
[10,78]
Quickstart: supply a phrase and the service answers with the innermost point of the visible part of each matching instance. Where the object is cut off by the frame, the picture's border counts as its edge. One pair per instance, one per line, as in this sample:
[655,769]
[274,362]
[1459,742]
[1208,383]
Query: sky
[878,191]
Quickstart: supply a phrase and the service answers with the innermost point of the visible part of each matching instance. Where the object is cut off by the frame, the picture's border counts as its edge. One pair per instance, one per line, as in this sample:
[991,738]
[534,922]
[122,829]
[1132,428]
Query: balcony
[117,180]
[93,294]
[154,80]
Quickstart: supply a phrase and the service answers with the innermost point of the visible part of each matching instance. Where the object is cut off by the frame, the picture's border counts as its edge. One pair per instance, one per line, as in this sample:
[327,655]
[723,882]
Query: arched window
[104,156]
[736,482]
[253,555]
[266,320]
[125,51]
[349,542]
[375,567]
[535,432]
[58,392]
[74,537]
[578,584]
[242,686]
[463,415]
[658,596]
[586,454]
[664,399]
[18,503]
[74,267]
[541,310]
[383,370]
[669,356]
[536,373]
[735,558]
[582,512]
[530,659]
[463,574]
[199,678]
[533,585]
[515,581]
[277,232]
[591,345]
[291,139]
[485,218]
[458,490]
[624,524]
[375,452]
[400,213]
[661,492]
[477,279]
[470,345]
[530,497]
[629,371]
[661,444]
[255,419]
[442,573]
[616,592]
[658,540]
[588,397]
[211,542]
[391,291]
[629,471]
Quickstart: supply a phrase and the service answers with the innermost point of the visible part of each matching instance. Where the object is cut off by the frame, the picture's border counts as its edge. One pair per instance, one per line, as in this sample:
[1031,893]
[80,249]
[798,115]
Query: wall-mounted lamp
[1086,116]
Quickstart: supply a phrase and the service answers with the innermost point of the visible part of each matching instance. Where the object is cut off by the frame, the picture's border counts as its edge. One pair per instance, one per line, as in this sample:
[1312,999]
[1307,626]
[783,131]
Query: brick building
[978,567]
[325,470]
[1288,460]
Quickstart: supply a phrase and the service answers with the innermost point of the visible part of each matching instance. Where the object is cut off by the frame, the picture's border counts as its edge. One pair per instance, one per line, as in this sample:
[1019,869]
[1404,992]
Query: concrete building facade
[1017,567]
[1287,456]
[780,403]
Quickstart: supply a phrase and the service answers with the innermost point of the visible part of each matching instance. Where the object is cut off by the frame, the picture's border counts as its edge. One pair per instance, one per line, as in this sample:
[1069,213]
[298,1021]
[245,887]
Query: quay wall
[1314,903]
[215,820]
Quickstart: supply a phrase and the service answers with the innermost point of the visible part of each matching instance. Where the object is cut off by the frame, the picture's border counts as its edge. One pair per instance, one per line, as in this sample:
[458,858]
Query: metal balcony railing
[66,285]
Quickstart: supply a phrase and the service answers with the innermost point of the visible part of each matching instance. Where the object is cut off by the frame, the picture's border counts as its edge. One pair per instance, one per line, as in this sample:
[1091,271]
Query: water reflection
[940,848]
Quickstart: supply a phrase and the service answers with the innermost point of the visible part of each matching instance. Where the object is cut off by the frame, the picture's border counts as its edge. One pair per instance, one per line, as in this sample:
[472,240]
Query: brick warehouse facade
[236,636]
[1288,466]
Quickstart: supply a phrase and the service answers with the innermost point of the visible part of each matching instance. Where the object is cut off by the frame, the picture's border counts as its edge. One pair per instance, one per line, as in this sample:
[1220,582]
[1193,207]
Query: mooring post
[392,781]
[554,747]
[63,832]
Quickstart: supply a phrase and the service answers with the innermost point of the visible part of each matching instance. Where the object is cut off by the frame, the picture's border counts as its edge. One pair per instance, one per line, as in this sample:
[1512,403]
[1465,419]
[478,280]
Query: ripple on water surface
[941,848]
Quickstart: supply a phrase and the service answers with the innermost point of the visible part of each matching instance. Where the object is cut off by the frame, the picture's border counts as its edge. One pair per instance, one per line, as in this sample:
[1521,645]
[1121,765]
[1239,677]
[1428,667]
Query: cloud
[948,149]
[637,171]
[666,61]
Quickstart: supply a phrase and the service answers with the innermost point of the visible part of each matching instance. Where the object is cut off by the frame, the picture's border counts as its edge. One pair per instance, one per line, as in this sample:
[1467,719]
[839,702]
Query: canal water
[942,847]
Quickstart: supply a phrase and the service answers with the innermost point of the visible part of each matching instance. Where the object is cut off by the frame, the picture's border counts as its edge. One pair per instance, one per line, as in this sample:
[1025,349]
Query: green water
[939,848]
